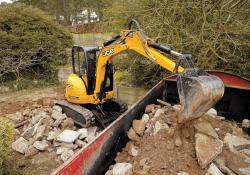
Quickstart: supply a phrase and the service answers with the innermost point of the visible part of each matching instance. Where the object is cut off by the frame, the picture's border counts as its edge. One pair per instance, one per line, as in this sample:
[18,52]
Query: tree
[30,43]
[216,33]
[69,9]
[56,8]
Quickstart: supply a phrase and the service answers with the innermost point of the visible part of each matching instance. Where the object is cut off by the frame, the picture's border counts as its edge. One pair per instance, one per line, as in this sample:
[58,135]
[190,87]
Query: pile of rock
[46,128]
[209,145]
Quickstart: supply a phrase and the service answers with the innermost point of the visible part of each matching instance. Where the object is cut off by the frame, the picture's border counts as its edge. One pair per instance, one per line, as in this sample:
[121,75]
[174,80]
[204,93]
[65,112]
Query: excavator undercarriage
[87,115]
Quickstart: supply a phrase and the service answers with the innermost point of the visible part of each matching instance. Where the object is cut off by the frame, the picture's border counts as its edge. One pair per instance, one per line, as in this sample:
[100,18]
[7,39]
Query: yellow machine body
[198,91]
[76,90]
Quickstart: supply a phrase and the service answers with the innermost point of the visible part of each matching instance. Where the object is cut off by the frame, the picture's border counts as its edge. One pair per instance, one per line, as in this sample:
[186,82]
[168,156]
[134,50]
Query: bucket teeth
[198,94]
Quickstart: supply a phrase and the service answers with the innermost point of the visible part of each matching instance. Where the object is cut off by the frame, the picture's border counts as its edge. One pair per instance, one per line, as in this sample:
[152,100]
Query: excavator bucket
[198,92]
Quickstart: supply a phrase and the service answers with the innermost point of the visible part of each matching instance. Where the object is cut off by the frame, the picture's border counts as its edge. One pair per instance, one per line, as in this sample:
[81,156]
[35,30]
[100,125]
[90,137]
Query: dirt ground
[42,163]
[11,102]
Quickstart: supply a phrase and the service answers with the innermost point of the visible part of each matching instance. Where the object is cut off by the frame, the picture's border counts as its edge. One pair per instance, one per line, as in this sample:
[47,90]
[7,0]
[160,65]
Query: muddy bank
[17,101]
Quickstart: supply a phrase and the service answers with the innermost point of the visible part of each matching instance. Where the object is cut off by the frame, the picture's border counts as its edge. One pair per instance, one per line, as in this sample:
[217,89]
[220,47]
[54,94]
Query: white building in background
[82,18]
[5,1]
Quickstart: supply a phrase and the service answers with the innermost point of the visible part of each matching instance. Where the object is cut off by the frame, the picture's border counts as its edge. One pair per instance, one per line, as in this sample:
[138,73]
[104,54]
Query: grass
[30,81]
[22,83]
[6,138]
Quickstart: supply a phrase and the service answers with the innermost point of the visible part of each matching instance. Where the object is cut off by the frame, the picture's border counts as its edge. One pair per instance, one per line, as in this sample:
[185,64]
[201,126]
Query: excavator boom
[91,84]
[198,91]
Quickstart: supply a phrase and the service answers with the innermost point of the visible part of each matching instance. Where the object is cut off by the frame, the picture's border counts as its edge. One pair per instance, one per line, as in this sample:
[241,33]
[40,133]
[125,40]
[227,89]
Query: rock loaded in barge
[97,156]
[209,145]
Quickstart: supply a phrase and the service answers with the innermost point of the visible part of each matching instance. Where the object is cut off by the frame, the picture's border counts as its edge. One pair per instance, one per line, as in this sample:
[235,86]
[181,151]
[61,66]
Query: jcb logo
[108,52]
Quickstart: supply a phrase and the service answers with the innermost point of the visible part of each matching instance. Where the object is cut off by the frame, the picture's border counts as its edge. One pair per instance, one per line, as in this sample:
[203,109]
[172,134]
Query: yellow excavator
[89,89]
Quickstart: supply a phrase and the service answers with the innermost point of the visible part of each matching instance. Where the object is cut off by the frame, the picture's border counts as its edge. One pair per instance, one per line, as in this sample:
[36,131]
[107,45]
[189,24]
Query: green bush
[32,44]
[6,138]
[135,70]
[216,33]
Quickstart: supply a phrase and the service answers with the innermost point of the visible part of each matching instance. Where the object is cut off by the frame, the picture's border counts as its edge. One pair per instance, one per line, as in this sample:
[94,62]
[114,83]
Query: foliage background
[216,33]
[32,45]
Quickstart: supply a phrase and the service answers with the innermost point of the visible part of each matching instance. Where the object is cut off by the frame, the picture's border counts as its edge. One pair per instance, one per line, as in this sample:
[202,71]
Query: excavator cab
[84,65]
[81,104]
[84,62]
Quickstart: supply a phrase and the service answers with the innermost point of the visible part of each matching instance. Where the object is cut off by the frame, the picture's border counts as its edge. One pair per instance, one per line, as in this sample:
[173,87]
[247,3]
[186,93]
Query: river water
[129,95]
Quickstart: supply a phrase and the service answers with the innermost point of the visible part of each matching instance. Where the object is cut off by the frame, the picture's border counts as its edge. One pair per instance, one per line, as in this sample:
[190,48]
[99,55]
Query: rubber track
[87,114]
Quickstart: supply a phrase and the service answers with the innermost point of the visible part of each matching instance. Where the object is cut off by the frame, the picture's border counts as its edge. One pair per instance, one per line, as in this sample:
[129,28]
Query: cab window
[79,61]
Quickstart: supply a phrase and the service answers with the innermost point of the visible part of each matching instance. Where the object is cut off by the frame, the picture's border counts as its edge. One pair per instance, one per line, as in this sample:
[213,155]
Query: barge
[96,157]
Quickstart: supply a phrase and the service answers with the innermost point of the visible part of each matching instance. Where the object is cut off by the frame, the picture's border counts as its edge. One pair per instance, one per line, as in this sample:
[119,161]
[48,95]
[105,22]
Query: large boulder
[132,135]
[236,143]
[83,133]
[159,125]
[132,149]
[66,155]
[68,123]
[20,145]
[206,128]
[139,127]
[149,108]
[92,132]
[214,170]
[207,149]
[16,117]
[68,136]
[122,169]
[41,145]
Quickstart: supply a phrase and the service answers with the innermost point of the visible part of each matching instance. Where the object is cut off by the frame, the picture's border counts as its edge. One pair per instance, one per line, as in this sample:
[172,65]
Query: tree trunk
[88,15]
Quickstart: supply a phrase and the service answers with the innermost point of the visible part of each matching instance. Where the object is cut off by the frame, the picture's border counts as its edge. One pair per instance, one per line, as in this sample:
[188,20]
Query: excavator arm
[198,91]
[130,40]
